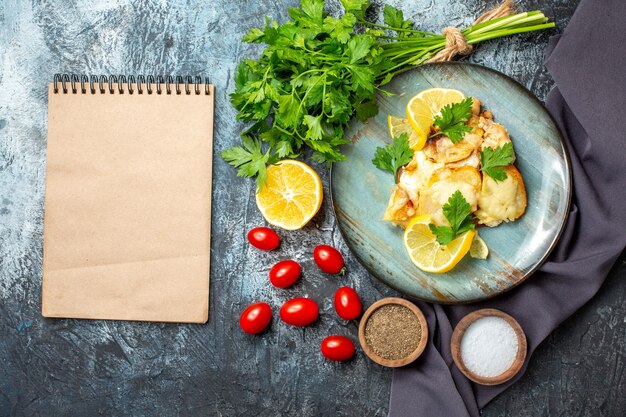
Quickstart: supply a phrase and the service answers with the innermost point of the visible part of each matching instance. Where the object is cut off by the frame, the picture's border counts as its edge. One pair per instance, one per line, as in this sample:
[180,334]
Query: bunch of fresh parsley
[316,73]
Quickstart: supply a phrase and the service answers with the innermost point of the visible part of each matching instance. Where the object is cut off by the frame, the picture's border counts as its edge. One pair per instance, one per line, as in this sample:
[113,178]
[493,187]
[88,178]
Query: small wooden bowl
[395,363]
[459,331]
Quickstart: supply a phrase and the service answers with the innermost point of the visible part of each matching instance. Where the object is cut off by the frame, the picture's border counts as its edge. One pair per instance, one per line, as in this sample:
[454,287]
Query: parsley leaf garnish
[451,120]
[392,157]
[250,159]
[492,160]
[458,212]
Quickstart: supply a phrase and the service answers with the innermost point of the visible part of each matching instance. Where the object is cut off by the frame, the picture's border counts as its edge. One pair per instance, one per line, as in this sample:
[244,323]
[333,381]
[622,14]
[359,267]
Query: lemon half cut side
[291,195]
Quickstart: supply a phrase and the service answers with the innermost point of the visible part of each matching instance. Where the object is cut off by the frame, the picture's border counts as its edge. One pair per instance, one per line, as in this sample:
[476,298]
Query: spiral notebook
[127,220]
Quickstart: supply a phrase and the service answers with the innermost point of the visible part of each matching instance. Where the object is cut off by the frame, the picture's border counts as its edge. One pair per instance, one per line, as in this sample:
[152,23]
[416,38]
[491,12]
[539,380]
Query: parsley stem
[414,60]
[324,99]
[406,51]
[400,44]
[485,23]
[506,32]
[367,23]
[500,23]
[306,72]
[302,101]
[285,131]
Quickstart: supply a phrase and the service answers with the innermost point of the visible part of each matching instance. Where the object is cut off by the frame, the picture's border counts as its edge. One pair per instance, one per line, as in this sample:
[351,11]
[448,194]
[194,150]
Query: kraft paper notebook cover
[128,199]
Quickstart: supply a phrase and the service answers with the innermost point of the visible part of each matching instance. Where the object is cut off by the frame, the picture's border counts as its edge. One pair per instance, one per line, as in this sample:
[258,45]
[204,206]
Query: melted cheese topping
[503,200]
[414,181]
[466,180]
[471,161]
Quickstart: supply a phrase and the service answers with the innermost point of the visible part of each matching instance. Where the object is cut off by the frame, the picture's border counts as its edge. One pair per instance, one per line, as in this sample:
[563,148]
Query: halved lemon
[291,196]
[478,248]
[400,125]
[428,254]
[424,106]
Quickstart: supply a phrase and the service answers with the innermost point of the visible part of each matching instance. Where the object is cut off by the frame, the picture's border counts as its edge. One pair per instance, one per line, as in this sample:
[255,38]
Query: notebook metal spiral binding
[162,85]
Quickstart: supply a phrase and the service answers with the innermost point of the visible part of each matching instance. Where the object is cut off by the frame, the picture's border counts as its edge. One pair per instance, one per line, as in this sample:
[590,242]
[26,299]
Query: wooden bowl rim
[459,331]
[394,363]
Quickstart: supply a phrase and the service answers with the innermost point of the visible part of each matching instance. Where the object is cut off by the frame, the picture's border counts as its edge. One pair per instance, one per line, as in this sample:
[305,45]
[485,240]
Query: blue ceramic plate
[360,191]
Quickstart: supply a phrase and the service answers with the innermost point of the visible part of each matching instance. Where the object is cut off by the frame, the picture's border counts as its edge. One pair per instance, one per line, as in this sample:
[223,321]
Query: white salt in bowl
[488,346]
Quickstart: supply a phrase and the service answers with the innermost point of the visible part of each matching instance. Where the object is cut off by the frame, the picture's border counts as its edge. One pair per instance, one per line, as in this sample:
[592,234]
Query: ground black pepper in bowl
[393,331]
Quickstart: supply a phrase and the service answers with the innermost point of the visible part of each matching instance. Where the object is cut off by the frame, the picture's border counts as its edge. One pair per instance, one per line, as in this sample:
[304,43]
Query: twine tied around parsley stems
[456,44]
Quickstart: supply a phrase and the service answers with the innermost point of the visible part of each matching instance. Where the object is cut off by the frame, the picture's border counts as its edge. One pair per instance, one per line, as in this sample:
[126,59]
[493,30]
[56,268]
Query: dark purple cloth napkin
[588,63]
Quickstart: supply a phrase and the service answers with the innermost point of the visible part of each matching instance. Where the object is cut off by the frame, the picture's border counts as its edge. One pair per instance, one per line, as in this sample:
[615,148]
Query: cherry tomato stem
[328,259]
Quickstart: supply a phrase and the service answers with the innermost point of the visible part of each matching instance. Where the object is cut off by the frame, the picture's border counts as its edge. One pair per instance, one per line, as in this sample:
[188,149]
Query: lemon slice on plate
[400,125]
[478,248]
[424,106]
[291,196]
[428,254]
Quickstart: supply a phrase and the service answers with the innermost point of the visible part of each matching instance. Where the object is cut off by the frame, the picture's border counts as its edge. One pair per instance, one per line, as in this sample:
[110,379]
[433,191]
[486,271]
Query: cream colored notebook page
[127,220]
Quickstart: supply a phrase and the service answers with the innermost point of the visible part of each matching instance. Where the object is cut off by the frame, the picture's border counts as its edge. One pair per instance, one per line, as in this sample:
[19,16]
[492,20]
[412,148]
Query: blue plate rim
[554,242]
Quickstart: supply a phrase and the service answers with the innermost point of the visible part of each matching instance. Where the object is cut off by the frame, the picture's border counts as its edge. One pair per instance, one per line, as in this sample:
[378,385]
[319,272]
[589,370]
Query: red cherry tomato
[337,348]
[299,311]
[328,259]
[255,318]
[263,238]
[347,303]
[285,273]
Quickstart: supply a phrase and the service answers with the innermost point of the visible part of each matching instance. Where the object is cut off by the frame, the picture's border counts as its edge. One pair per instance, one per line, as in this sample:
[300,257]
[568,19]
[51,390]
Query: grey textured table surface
[73,367]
